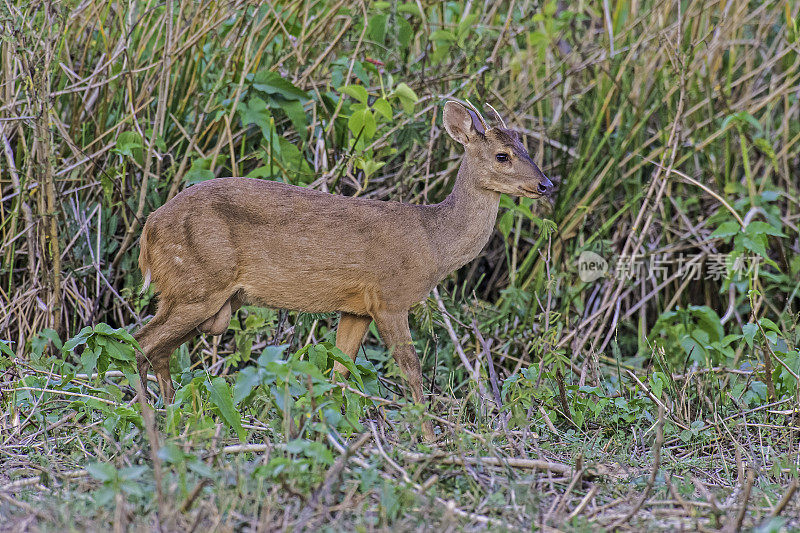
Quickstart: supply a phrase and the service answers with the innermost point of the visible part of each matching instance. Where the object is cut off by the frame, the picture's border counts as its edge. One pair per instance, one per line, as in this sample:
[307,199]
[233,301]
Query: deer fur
[229,241]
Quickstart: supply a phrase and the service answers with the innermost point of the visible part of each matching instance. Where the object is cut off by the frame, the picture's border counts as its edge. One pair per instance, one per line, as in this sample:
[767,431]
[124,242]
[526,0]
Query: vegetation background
[662,395]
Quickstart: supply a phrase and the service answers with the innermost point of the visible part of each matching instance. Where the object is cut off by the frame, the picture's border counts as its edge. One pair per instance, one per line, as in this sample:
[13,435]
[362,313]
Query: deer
[227,242]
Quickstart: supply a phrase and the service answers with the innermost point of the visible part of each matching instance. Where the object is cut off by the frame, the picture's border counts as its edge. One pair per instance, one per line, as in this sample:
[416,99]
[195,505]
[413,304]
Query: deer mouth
[530,193]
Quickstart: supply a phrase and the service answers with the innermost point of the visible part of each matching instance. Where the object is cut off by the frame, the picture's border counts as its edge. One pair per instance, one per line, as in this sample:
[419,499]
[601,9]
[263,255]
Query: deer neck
[461,225]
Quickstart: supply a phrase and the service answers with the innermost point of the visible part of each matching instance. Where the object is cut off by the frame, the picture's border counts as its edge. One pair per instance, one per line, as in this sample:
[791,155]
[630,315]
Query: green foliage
[301,391]
[103,347]
[115,481]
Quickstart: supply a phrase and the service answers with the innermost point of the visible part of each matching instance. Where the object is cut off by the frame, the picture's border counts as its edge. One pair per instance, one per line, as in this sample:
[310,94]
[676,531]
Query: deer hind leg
[349,335]
[159,338]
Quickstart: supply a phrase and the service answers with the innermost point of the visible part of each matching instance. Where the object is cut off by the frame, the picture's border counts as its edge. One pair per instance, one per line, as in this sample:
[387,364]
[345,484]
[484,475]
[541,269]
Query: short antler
[478,113]
[497,116]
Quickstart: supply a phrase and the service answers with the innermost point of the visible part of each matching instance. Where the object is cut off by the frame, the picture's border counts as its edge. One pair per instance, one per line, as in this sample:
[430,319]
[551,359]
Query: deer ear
[462,124]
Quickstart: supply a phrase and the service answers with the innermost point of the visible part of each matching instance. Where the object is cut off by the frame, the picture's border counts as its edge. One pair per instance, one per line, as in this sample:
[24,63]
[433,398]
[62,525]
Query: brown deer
[229,241]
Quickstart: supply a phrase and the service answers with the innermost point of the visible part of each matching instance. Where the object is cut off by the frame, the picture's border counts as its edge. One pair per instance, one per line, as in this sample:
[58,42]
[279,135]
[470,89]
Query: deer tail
[144,261]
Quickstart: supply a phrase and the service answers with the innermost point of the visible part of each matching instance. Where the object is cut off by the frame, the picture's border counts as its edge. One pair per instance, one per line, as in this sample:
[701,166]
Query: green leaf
[404,32]
[272,354]
[411,8]
[255,112]
[383,107]
[756,244]
[272,83]
[740,119]
[376,28]
[129,143]
[171,453]
[123,335]
[104,472]
[6,349]
[357,92]
[52,335]
[318,355]
[408,98]
[80,338]
[319,452]
[708,320]
[293,161]
[221,396]
[119,351]
[749,331]
[369,166]
[247,379]
[727,229]
[657,381]
[104,328]
[505,222]
[762,228]
[340,356]
[443,35]
[768,324]
[89,359]
[132,472]
[199,171]
[297,115]
[362,122]
[440,52]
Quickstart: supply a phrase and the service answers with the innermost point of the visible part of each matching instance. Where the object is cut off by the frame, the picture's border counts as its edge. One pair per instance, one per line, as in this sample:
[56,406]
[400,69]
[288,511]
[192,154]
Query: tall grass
[108,110]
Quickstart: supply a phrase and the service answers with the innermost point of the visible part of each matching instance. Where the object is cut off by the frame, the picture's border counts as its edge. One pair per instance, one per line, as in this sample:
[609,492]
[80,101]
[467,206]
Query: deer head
[497,158]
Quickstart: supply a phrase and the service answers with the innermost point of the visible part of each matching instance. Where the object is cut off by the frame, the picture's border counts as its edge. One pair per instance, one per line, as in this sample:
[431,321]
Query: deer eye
[503,158]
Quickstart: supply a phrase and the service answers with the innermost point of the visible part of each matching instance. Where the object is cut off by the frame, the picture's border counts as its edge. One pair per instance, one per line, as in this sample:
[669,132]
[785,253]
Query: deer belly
[313,291]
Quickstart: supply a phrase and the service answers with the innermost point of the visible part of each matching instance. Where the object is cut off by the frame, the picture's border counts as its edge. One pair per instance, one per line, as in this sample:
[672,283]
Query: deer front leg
[397,336]
[349,335]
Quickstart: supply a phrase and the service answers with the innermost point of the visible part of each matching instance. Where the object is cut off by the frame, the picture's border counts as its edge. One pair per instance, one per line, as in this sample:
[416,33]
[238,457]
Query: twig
[323,493]
[152,436]
[246,448]
[785,500]
[737,525]
[187,503]
[547,421]
[473,370]
[562,501]
[487,352]
[584,502]
[64,392]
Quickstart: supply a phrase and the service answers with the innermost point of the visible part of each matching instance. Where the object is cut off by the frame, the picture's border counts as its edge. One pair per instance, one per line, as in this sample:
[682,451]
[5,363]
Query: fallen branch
[33,480]
[514,462]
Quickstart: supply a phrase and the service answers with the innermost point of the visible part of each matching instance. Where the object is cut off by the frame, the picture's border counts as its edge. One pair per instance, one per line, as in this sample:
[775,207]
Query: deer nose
[545,185]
